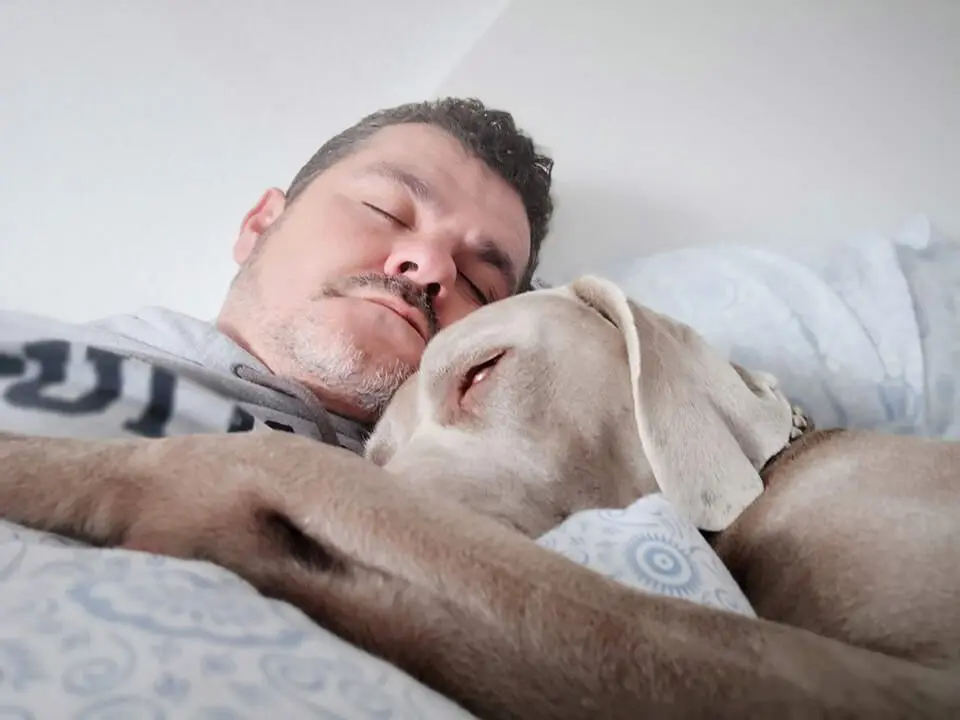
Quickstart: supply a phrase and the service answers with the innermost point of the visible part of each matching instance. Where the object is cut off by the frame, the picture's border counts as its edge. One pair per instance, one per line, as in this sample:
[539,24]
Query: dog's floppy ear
[706,426]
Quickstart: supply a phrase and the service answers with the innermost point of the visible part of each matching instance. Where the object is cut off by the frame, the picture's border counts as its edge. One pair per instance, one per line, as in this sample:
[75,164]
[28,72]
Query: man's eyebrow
[493,255]
[419,187]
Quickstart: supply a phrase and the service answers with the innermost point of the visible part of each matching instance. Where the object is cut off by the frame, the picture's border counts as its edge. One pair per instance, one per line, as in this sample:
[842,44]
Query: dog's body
[857,537]
[579,400]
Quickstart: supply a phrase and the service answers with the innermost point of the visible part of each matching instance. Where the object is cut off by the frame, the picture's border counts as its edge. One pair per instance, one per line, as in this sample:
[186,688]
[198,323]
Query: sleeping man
[398,226]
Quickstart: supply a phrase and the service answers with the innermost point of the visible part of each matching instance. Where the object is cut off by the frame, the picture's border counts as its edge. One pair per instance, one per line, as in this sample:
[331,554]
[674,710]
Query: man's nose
[429,264]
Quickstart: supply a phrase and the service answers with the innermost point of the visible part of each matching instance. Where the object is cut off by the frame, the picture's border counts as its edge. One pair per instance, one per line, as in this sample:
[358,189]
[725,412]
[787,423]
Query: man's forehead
[430,154]
[413,140]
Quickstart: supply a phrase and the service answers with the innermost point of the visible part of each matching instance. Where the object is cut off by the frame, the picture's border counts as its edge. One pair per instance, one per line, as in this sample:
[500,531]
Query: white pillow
[650,547]
[863,334]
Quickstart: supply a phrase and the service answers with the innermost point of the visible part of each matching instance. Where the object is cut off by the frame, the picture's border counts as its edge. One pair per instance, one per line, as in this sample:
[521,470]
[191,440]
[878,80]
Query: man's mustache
[412,294]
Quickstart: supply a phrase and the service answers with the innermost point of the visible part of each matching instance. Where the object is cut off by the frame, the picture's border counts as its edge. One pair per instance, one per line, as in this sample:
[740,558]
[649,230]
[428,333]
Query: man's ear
[256,222]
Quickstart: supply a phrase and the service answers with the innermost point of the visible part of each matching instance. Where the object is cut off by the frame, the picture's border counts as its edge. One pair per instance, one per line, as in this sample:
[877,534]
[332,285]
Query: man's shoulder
[185,346]
[156,329]
[146,332]
[68,379]
[20,327]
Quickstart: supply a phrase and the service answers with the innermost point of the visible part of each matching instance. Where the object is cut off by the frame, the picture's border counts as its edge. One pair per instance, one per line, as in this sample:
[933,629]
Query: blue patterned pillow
[651,547]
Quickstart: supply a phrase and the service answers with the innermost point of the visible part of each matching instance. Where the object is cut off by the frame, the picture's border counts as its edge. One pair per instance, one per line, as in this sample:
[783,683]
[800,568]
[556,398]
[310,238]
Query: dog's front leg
[511,630]
[483,615]
[79,488]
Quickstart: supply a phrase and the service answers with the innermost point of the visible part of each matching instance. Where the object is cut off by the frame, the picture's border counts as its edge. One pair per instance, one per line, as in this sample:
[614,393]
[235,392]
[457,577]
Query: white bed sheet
[96,634]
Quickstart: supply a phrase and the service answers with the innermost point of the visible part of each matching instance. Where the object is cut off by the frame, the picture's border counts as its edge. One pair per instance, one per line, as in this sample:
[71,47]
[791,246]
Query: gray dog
[523,413]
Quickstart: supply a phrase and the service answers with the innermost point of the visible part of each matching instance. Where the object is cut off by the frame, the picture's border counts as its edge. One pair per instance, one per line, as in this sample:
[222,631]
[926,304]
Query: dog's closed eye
[478,373]
[474,376]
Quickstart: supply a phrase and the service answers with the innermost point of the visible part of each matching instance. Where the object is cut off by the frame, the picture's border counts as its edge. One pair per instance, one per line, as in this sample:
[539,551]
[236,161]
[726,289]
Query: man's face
[342,289]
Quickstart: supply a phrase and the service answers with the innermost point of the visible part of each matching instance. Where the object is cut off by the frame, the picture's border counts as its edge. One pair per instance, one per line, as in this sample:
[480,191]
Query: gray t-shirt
[147,369]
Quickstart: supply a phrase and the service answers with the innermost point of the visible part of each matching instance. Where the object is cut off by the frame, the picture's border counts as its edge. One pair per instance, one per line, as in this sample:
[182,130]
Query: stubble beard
[344,372]
[326,359]
[349,373]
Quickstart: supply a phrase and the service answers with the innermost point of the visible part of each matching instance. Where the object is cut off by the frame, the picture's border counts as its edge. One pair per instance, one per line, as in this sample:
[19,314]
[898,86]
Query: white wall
[783,122]
[135,135]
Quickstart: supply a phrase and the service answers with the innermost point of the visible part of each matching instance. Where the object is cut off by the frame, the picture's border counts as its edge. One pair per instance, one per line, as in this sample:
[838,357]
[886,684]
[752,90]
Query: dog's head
[575,397]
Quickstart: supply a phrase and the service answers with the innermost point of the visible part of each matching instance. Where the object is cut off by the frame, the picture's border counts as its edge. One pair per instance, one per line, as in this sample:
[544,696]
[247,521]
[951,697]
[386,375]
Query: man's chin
[374,379]
[356,374]
[392,351]
[365,397]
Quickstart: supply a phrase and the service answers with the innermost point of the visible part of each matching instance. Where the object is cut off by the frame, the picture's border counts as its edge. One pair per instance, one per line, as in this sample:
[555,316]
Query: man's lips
[414,317]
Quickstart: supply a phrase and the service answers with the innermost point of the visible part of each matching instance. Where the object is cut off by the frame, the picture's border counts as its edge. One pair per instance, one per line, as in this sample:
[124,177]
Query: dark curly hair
[490,135]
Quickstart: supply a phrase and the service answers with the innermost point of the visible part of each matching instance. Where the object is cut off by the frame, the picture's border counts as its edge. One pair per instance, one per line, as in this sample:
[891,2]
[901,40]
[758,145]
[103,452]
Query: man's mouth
[394,293]
[414,317]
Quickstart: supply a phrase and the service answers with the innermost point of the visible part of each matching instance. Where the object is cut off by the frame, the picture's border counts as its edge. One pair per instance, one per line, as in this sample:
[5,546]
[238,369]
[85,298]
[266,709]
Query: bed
[865,334]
